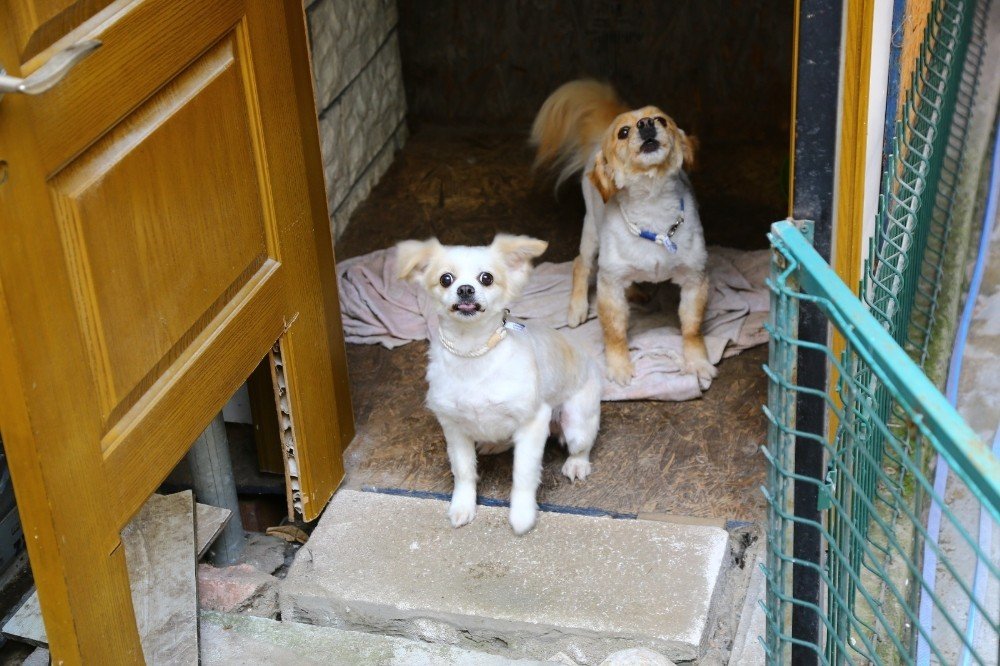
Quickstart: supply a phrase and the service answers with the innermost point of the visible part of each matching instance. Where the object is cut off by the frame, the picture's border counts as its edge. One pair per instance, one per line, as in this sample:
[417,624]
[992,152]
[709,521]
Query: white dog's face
[468,283]
[640,144]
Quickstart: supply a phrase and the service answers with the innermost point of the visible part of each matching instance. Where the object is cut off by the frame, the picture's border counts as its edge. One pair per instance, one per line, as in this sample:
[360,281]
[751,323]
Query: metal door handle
[49,74]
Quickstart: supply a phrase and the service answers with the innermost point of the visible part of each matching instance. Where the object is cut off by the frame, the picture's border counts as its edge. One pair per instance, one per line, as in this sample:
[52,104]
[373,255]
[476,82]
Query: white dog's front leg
[462,455]
[529,444]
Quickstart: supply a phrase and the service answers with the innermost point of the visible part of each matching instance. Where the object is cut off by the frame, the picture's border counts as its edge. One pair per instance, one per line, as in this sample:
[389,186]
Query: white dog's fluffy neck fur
[466,337]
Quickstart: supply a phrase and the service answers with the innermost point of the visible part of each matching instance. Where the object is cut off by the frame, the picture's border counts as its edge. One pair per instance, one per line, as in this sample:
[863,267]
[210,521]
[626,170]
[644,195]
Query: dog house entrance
[474,76]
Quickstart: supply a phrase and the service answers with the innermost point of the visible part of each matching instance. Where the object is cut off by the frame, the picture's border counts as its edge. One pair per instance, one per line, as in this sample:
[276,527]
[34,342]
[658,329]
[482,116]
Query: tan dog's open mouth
[649,146]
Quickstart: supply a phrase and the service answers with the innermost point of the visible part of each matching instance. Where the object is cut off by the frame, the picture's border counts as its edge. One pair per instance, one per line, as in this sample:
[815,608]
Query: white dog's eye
[446,280]
[661,120]
[485,279]
[623,133]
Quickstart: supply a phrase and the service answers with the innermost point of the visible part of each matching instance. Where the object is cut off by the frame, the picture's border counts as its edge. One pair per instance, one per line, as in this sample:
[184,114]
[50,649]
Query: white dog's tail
[570,123]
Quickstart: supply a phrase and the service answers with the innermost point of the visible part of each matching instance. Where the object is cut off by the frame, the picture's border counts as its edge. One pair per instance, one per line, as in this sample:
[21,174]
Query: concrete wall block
[363,187]
[356,128]
[345,35]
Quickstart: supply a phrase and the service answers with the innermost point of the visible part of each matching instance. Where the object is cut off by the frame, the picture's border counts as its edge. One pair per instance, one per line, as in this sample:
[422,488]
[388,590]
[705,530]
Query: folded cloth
[379,308]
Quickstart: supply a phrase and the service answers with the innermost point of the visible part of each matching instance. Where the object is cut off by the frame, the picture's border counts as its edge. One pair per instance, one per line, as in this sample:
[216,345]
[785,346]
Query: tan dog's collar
[666,240]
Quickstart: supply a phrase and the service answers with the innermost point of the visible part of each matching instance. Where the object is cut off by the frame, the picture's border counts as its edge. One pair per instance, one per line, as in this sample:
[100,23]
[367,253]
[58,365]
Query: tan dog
[641,212]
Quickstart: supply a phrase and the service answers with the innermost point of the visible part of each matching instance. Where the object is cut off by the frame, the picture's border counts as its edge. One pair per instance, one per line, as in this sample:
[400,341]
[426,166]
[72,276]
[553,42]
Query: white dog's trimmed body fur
[635,189]
[515,391]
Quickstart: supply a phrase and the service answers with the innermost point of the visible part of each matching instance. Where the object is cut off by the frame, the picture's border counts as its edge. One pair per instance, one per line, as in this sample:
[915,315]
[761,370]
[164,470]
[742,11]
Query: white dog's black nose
[466,291]
[647,128]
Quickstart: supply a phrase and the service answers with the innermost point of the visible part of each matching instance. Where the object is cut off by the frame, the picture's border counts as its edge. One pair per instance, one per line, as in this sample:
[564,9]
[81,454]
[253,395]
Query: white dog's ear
[413,258]
[602,177]
[518,251]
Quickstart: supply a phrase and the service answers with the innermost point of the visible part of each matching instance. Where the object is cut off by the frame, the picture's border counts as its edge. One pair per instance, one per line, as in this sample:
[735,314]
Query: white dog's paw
[492,448]
[523,514]
[703,370]
[577,313]
[461,512]
[621,371]
[576,468]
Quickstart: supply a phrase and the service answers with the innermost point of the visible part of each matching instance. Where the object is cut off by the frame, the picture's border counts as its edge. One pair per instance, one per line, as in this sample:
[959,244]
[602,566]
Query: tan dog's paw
[576,468]
[703,369]
[621,371]
[577,313]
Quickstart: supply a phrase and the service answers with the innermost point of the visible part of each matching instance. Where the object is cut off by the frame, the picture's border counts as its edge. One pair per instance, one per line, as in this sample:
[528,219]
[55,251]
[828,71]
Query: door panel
[130,262]
[165,229]
[132,65]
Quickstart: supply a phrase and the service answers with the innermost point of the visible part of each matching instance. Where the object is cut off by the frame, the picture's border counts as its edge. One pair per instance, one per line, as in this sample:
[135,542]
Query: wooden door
[163,228]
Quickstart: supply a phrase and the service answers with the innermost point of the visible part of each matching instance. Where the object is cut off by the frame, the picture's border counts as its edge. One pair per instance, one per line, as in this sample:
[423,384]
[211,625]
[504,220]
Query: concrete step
[579,585]
[231,640]
[747,649]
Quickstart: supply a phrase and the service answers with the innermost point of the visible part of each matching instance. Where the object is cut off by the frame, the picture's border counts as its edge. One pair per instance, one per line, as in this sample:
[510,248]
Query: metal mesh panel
[874,498]
[904,269]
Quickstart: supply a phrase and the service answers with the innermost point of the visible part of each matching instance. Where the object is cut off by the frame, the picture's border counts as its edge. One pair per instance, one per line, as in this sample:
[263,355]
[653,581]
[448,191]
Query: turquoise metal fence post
[783,322]
[872,499]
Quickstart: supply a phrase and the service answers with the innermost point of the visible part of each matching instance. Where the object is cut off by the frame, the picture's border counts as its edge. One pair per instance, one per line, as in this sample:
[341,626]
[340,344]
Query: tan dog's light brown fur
[616,157]
[580,124]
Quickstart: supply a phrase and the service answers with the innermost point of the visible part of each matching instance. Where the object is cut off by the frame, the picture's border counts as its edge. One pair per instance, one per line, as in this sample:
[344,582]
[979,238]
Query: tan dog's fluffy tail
[570,123]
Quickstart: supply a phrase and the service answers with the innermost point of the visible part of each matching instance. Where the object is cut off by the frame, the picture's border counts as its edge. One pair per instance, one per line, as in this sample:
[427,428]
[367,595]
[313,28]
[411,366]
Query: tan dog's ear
[413,257]
[517,251]
[689,144]
[602,178]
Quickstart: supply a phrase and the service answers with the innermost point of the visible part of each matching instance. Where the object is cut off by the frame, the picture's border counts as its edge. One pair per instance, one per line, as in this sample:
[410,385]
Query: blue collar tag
[513,326]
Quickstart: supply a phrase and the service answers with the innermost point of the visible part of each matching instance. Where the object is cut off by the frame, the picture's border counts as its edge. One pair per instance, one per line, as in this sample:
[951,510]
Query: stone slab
[165,522]
[209,521]
[228,639]
[747,650]
[40,657]
[580,585]
[264,552]
[237,589]
[160,553]
[26,624]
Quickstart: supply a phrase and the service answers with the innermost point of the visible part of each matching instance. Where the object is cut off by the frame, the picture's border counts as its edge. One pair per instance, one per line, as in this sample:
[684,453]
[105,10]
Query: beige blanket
[378,308]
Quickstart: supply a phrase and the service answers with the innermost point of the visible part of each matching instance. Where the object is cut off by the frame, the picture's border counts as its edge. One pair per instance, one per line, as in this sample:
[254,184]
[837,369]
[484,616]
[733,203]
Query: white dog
[495,382]
[641,212]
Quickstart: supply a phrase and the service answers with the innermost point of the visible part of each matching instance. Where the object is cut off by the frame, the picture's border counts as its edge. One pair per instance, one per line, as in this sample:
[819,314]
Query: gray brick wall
[359,96]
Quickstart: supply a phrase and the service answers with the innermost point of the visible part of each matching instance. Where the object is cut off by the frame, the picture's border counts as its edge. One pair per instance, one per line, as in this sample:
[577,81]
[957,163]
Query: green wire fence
[874,500]
[906,260]
[883,434]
